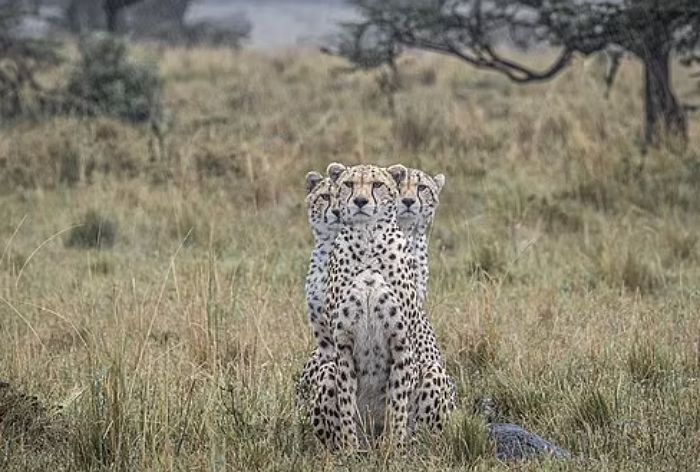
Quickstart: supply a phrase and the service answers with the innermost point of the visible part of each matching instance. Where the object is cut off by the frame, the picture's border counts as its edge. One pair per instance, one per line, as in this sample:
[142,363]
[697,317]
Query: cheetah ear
[439,180]
[334,170]
[398,172]
[312,180]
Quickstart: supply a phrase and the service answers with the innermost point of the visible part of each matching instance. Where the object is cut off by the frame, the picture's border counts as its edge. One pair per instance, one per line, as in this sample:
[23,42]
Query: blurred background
[262,23]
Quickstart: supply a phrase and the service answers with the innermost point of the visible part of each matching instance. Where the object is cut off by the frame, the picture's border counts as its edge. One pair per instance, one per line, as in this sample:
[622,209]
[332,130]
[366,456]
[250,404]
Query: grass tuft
[465,440]
[592,410]
[648,365]
[96,232]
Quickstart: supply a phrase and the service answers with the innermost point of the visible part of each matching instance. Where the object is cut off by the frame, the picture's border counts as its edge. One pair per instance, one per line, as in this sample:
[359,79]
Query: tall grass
[563,284]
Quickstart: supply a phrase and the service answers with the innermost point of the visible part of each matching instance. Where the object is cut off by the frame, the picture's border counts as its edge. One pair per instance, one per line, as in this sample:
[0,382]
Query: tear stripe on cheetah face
[324,222]
[366,194]
[419,197]
[416,206]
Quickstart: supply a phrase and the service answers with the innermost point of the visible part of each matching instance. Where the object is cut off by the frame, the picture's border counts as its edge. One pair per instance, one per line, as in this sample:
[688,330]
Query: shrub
[106,82]
[97,231]
[22,58]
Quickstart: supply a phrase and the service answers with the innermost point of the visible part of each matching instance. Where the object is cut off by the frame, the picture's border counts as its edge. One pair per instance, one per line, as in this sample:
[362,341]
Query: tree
[160,20]
[112,9]
[166,20]
[368,47]
[21,58]
[106,81]
[473,30]
[84,15]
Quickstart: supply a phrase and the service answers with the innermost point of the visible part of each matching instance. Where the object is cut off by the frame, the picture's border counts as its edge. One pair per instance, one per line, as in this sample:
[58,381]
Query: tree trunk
[664,117]
[112,9]
[112,13]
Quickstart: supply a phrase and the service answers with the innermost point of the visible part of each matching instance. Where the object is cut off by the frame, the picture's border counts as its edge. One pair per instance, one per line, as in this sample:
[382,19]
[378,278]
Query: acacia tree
[472,30]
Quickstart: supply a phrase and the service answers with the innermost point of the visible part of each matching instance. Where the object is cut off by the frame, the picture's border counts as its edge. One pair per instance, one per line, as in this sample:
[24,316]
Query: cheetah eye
[348,184]
[422,188]
[376,185]
[326,196]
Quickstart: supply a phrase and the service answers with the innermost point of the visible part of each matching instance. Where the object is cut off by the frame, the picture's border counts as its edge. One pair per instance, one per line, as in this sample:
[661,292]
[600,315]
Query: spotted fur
[371,302]
[419,197]
[387,363]
[325,224]
[435,395]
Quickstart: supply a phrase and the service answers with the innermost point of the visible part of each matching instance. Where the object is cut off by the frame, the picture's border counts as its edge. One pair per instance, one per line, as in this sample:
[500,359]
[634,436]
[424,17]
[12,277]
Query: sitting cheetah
[372,306]
[435,395]
[318,378]
[325,223]
[418,201]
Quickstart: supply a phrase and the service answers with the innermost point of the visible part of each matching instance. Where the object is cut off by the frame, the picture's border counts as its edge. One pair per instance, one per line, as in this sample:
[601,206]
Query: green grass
[564,269]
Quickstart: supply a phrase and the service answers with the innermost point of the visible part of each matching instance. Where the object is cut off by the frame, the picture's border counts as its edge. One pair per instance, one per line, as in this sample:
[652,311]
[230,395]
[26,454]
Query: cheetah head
[323,217]
[419,197]
[366,194]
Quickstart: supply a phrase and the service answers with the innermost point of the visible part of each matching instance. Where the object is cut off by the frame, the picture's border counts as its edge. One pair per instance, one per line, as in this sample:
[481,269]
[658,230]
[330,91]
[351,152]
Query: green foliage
[366,46]
[107,82]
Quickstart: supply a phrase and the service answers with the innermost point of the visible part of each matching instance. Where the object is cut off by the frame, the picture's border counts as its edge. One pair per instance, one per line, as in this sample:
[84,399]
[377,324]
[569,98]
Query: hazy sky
[279,23]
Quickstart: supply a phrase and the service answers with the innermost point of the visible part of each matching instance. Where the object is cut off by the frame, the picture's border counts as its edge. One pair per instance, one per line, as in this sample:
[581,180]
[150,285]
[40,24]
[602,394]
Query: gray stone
[516,444]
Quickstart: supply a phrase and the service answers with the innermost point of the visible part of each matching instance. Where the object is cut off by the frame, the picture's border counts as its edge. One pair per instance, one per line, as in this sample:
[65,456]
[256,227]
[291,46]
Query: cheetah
[318,373]
[416,206]
[435,396]
[325,223]
[371,303]
[418,201]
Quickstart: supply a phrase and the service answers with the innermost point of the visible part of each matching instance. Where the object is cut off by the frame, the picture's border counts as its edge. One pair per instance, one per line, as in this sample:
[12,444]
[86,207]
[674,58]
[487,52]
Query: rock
[516,444]
[512,442]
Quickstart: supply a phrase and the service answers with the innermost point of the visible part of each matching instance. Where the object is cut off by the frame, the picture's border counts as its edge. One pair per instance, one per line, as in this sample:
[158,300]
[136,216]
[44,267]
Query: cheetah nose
[408,202]
[336,212]
[360,201]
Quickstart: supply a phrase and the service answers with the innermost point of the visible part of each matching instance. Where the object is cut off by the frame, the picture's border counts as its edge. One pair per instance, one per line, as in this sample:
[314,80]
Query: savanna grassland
[565,267]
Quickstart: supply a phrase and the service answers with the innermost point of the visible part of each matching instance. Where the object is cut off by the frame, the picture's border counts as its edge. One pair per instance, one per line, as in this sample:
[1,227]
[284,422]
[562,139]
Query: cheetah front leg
[401,377]
[307,381]
[434,398]
[325,414]
[346,389]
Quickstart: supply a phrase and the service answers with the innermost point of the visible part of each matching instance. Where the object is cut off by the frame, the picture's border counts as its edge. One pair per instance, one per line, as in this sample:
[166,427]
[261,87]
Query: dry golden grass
[565,267]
